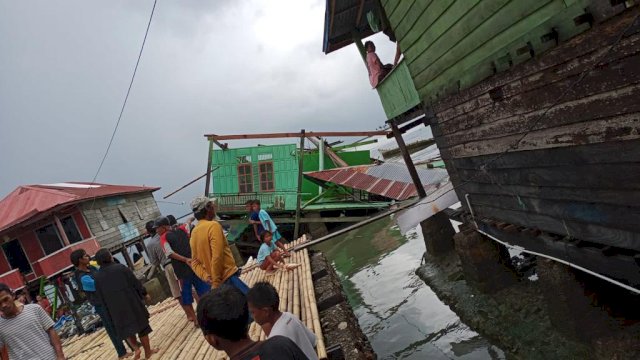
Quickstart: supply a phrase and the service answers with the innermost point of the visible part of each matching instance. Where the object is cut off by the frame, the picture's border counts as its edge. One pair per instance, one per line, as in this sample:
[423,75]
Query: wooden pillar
[407,160]
[144,247]
[63,235]
[296,231]
[320,159]
[127,258]
[209,159]
[360,46]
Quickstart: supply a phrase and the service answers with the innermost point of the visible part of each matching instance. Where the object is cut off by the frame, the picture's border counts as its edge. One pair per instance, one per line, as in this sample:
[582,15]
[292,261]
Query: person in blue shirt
[269,226]
[254,219]
[269,257]
[84,277]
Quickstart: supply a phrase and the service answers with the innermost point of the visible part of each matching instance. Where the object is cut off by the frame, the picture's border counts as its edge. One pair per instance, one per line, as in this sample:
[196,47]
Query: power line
[124,104]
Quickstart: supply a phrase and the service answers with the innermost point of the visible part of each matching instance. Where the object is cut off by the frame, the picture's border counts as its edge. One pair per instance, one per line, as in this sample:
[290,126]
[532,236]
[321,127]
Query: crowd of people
[193,258]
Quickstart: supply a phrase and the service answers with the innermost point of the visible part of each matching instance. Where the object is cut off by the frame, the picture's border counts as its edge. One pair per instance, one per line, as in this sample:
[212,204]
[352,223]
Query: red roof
[391,180]
[29,201]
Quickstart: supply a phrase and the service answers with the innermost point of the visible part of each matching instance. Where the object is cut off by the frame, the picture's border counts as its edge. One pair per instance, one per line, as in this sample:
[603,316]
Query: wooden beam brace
[207,174]
[327,150]
[408,161]
[295,135]
[359,16]
[296,230]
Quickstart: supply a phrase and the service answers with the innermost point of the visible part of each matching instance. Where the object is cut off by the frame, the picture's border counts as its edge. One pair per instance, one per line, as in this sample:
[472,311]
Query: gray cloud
[208,67]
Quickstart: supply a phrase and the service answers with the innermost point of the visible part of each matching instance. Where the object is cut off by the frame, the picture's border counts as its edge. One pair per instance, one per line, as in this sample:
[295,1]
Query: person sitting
[269,258]
[264,304]
[223,317]
[377,71]
[269,225]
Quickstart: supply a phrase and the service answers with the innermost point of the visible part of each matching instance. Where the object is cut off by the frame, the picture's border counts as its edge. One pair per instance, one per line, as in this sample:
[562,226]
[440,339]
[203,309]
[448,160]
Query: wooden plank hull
[554,143]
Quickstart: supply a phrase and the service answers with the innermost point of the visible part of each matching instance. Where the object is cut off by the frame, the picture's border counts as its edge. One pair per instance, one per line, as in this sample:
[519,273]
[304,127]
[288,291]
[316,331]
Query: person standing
[175,243]
[223,317]
[84,276]
[158,259]
[211,255]
[27,331]
[254,220]
[264,304]
[123,297]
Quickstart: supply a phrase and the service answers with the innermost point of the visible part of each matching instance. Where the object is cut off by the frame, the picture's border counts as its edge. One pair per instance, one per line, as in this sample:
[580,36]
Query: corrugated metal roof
[390,180]
[29,201]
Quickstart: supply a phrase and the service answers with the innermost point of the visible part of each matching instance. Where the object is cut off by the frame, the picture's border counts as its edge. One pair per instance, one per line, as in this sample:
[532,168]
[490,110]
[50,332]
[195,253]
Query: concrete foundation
[316,230]
[485,263]
[155,291]
[438,233]
[342,333]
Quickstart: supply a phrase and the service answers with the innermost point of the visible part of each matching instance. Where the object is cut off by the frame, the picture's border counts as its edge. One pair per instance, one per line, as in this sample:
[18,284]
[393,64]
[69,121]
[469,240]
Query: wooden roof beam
[359,17]
[217,138]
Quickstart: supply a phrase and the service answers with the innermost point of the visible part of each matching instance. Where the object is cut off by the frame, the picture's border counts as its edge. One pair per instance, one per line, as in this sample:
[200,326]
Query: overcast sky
[208,67]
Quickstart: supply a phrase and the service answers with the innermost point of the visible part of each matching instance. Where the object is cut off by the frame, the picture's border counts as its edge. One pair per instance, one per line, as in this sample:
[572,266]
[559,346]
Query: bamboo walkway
[177,338]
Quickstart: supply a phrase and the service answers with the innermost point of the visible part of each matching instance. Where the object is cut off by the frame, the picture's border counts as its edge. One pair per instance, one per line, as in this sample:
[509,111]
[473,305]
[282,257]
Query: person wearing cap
[210,252]
[160,260]
[175,243]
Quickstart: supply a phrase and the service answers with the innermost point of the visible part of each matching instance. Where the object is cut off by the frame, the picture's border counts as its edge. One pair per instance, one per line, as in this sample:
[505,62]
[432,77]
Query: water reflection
[402,317]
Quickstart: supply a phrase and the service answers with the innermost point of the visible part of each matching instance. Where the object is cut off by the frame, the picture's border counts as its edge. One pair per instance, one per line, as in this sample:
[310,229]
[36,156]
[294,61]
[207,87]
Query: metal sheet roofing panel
[391,180]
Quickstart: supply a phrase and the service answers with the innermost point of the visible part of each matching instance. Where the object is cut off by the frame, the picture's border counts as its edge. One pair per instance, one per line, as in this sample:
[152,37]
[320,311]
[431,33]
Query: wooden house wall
[29,241]
[450,45]
[534,147]
[4,263]
[104,219]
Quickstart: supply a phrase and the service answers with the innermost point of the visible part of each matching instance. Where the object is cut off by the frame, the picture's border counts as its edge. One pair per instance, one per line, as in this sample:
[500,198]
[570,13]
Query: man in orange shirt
[211,255]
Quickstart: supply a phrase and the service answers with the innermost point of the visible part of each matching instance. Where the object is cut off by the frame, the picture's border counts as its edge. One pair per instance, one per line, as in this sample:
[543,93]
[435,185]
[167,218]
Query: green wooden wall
[285,166]
[453,44]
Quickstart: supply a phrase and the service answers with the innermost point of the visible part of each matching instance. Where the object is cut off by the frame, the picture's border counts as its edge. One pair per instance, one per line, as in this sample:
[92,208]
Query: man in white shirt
[264,305]
[27,331]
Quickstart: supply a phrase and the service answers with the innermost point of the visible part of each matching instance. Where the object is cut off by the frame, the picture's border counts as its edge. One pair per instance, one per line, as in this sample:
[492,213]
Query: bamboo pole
[322,351]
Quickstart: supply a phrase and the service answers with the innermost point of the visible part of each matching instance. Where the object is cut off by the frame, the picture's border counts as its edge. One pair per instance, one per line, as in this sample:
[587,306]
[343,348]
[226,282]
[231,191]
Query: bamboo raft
[177,338]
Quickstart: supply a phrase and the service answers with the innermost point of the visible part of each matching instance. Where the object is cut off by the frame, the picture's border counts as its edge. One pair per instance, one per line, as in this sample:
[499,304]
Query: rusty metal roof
[30,201]
[391,180]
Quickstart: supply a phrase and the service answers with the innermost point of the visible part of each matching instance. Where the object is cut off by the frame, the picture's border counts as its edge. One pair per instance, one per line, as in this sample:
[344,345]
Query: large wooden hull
[553,144]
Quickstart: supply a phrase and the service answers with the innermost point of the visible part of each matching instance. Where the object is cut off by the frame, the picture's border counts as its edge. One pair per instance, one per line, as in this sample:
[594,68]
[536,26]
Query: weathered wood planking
[602,153]
[629,198]
[576,171]
[614,216]
[617,266]
[454,44]
[103,216]
[592,232]
[575,48]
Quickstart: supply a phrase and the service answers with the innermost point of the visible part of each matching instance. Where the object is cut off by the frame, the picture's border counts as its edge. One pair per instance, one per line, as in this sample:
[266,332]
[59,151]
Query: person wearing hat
[211,256]
[175,243]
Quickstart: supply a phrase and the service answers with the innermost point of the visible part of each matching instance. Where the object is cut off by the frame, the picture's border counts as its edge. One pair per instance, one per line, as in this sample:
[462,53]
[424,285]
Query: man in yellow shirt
[211,256]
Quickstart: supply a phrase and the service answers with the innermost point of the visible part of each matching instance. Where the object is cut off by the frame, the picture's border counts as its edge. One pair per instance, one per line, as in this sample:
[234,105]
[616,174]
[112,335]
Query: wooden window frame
[55,229]
[260,173]
[242,178]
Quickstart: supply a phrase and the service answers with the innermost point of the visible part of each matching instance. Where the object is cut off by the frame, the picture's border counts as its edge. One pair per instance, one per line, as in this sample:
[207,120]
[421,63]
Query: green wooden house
[269,174]
[534,107]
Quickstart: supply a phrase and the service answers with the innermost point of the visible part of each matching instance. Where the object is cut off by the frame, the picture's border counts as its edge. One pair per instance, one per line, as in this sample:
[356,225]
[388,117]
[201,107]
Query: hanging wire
[124,103]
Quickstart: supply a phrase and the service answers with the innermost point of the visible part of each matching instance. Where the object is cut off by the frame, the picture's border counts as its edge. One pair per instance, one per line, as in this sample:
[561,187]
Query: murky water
[399,313]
